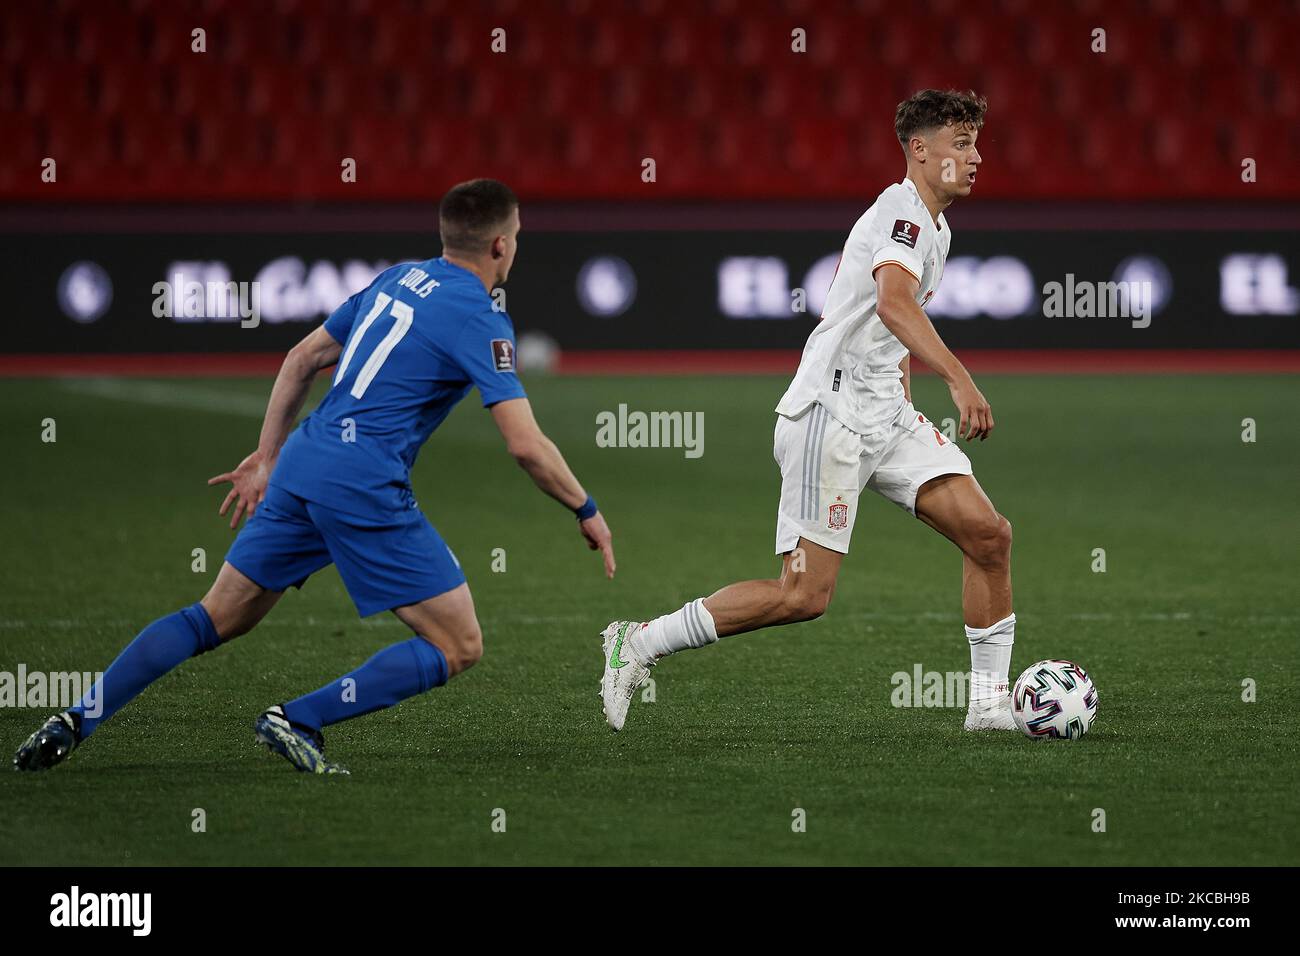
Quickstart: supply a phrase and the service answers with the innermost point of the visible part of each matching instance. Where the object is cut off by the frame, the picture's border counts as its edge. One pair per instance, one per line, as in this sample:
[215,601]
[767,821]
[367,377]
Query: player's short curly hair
[933,109]
[474,213]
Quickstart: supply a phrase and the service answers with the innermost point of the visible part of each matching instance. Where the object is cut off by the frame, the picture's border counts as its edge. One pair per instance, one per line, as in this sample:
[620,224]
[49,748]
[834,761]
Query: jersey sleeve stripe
[894,262]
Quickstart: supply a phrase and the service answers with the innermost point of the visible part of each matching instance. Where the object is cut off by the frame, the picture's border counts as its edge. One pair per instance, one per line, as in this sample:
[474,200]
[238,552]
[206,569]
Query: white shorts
[825,466]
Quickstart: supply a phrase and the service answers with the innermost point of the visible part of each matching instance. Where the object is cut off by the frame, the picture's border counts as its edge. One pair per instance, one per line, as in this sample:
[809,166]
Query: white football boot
[994,714]
[623,672]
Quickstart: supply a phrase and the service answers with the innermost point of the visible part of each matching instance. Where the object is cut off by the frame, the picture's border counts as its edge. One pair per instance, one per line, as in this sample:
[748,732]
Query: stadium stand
[585,91]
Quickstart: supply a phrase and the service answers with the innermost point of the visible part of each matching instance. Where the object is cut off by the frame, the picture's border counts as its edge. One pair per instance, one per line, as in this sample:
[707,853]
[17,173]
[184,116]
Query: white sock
[690,626]
[990,658]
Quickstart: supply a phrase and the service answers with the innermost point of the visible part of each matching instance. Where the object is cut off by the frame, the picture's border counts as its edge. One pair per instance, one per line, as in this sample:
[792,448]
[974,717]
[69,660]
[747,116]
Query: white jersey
[850,363]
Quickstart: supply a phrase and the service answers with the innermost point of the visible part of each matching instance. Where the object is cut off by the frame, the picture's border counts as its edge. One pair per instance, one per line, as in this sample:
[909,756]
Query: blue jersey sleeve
[486,351]
[339,324]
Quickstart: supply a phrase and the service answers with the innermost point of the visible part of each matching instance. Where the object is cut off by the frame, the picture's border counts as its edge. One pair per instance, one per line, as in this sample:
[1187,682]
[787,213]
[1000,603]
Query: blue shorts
[383,565]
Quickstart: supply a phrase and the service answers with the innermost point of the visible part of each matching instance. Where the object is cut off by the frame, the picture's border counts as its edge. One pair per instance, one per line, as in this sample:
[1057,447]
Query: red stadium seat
[855,93]
[385,40]
[674,145]
[339,90]
[450,140]
[635,93]
[1214,42]
[536,41]
[191,88]
[905,43]
[1134,38]
[715,91]
[82,144]
[168,33]
[1011,100]
[159,139]
[233,38]
[764,43]
[691,39]
[274,89]
[229,144]
[1154,89]
[1283,94]
[61,87]
[10,95]
[1231,94]
[377,141]
[99,34]
[819,150]
[830,45]
[611,42]
[566,94]
[302,141]
[602,154]
[332,40]
[1177,142]
[1054,42]
[980,41]
[122,87]
[1271,41]
[464,40]
[585,90]
[743,151]
[1050,148]
[25,143]
[1111,149]
[1258,138]
[791,91]
[23,37]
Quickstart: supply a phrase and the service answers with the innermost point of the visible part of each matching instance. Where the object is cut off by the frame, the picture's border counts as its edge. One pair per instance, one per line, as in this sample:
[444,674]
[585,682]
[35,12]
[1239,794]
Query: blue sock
[397,672]
[156,650]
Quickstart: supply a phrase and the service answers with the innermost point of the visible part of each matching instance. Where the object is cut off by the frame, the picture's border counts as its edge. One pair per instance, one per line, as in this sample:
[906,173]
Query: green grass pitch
[1199,594]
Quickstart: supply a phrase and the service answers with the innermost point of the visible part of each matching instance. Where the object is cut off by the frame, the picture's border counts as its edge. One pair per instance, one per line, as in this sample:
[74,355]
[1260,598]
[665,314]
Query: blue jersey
[414,343]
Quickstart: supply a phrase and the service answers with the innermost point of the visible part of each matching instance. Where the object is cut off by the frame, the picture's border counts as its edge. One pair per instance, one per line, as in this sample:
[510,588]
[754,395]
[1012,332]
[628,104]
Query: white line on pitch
[170,395]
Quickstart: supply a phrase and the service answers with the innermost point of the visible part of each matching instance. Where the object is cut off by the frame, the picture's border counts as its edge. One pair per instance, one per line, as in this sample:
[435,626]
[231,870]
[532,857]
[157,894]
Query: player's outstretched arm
[897,308]
[317,351]
[538,456]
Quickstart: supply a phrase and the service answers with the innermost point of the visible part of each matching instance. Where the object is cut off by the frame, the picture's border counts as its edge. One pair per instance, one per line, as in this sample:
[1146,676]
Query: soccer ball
[1054,699]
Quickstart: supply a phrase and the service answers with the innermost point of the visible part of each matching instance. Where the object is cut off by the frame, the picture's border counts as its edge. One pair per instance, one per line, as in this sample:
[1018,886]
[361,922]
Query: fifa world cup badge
[503,355]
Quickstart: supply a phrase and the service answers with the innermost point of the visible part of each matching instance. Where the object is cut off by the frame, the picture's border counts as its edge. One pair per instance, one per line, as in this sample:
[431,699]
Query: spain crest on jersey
[839,517]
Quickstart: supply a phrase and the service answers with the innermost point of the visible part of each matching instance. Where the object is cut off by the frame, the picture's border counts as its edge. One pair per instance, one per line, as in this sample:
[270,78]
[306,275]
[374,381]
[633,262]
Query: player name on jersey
[418,281]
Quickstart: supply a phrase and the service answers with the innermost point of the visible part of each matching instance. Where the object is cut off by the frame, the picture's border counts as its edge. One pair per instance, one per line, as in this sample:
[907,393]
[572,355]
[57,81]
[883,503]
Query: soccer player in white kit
[847,422]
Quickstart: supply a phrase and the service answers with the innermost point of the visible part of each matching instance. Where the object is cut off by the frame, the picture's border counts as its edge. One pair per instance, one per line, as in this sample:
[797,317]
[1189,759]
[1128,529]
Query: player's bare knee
[235,604]
[472,651]
[805,604]
[465,651]
[232,630]
[226,620]
[990,541]
[1003,539]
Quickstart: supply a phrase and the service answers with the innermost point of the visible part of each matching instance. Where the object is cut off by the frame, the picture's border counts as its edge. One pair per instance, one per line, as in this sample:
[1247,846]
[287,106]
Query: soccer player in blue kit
[407,348]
